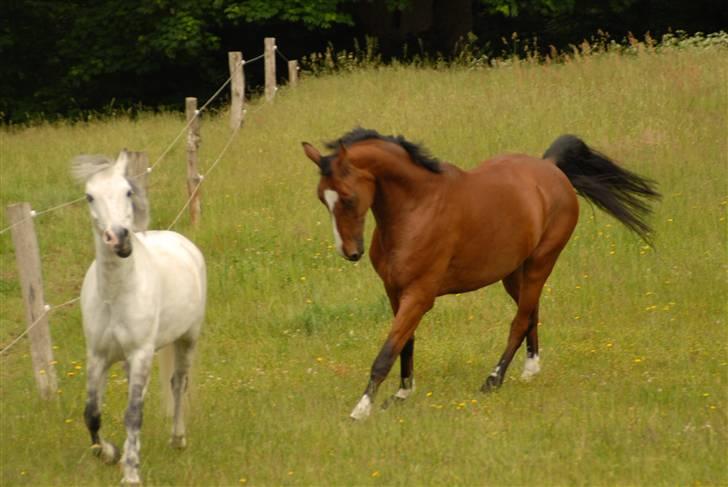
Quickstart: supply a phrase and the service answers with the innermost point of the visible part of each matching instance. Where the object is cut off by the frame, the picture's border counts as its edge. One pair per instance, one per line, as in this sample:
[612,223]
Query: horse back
[504,210]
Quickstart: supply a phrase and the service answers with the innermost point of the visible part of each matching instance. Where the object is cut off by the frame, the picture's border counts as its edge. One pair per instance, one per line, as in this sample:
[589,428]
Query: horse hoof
[492,383]
[362,409]
[107,452]
[398,396]
[178,442]
[531,368]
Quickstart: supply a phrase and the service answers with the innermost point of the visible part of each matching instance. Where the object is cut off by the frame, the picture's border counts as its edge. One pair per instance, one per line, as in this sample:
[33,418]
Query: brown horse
[441,230]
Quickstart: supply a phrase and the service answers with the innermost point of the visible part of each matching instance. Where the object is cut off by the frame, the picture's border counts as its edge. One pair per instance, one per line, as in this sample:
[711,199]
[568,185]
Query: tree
[67,57]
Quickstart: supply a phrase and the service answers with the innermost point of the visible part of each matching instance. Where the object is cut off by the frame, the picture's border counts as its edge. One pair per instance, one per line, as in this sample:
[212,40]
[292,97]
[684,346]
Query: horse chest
[117,327]
[399,267]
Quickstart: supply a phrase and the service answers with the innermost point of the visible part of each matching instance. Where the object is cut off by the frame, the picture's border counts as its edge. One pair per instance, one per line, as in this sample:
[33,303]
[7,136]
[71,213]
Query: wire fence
[33,213]
[159,159]
[46,311]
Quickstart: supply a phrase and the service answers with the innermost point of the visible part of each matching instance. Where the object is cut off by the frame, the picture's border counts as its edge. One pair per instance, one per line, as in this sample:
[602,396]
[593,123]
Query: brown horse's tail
[619,192]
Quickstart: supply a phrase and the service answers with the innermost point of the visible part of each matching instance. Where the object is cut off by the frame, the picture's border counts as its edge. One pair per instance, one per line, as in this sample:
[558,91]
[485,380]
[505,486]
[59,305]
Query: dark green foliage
[74,57]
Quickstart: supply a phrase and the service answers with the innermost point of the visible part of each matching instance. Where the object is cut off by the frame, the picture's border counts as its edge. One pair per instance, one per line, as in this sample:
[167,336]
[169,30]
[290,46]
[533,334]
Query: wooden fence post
[237,89]
[27,256]
[193,142]
[137,167]
[270,67]
[292,73]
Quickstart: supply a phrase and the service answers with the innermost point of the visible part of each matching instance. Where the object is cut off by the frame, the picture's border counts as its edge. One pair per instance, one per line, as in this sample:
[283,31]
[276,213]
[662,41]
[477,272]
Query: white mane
[86,165]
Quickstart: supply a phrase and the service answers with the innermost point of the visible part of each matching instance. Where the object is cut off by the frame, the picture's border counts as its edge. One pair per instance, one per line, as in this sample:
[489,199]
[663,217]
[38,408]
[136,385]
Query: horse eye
[89,198]
[128,194]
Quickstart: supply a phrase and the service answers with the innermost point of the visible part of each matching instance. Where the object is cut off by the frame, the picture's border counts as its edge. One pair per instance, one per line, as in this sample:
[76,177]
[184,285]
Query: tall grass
[634,340]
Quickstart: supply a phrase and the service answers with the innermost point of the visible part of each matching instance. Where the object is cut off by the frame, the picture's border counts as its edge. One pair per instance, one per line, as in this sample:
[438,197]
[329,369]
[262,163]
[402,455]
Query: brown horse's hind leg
[406,367]
[535,272]
[532,366]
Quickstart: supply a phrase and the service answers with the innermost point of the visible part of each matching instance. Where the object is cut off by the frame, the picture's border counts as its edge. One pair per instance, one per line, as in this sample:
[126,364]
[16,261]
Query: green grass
[634,340]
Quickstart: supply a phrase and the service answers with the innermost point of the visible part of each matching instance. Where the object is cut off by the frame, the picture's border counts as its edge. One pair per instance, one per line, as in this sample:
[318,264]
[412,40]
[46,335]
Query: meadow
[634,339]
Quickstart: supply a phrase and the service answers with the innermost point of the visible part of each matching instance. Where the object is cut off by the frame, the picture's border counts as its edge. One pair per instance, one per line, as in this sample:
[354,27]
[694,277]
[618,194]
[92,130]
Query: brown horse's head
[347,192]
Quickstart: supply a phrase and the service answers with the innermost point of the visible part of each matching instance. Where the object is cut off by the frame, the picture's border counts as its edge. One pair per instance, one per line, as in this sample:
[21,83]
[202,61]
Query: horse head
[117,205]
[347,192]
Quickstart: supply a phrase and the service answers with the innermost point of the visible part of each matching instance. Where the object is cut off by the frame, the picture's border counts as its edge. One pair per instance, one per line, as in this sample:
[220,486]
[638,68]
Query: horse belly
[183,288]
[182,316]
[498,232]
[474,274]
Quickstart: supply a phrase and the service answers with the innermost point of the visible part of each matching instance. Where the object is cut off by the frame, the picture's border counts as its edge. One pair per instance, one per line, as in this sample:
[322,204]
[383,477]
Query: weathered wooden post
[138,167]
[193,142]
[270,67]
[292,73]
[27,257]
[237,89]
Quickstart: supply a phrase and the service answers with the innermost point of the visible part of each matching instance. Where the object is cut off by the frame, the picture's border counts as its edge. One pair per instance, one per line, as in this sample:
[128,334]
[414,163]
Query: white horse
[144,291]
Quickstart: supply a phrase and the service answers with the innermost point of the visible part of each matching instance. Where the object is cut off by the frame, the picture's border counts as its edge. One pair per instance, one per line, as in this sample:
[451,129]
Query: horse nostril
[354,256]
[125,232]
[108,237]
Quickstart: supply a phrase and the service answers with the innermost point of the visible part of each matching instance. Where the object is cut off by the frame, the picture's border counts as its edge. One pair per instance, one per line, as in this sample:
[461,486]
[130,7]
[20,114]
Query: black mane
[419,154]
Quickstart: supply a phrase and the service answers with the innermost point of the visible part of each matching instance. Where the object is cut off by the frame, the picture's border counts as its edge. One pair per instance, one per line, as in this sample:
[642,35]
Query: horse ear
[122,161]
[312,153]
[342,150]
[342,157]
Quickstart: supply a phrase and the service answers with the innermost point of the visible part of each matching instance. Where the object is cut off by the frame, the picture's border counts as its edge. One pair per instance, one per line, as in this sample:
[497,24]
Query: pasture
[634,340]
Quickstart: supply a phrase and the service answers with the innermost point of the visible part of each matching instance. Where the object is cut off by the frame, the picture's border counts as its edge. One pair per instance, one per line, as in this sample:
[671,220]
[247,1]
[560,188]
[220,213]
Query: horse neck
[114,274]
[400,185]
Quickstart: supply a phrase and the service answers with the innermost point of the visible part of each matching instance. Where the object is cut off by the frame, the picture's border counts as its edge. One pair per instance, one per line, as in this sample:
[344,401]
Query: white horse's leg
[139,370]
[183,352]
[95,384]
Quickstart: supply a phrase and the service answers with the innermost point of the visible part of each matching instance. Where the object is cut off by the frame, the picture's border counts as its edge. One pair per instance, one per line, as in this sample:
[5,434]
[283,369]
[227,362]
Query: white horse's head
[117,205]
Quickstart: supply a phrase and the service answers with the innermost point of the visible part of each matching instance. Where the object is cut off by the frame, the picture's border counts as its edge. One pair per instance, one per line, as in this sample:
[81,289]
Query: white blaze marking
[331,198]
[362,409]
[531,367]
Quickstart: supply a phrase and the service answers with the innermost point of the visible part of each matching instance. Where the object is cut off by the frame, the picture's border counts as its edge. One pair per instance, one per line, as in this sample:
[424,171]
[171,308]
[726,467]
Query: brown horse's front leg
[411,308]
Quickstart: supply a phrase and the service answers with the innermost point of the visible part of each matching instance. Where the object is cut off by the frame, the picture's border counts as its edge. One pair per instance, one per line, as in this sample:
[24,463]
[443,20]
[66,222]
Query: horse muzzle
[357,254]
[118,241]
[354,256]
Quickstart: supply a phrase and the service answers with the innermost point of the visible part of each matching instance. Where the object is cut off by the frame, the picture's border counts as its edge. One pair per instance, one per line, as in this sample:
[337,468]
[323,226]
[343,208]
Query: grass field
[633,389]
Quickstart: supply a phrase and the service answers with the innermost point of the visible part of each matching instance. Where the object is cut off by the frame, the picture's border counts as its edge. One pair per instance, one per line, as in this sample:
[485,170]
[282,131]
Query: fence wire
[193,193]
[166,151]
[46,311]
[48,308]
[278,51]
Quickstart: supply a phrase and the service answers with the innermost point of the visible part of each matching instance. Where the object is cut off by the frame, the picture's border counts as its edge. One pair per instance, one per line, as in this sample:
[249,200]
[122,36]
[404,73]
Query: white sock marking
[403,393]
[331,198]
[531,367]
[362,409]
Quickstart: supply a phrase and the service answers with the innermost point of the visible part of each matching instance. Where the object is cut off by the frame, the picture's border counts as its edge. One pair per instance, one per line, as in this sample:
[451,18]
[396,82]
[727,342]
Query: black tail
[619,192]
